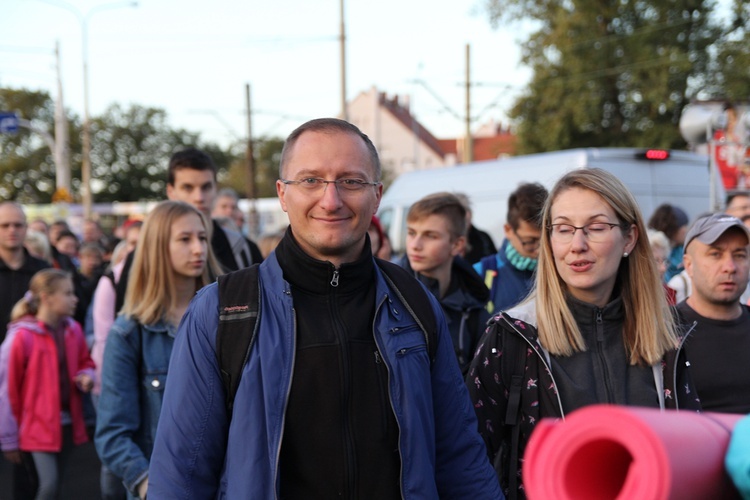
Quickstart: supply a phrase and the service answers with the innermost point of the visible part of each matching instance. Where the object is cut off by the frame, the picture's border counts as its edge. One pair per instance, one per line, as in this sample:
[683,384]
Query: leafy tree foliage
[267,156]
[27,169]
[131,149]
[129,155]
[620,73]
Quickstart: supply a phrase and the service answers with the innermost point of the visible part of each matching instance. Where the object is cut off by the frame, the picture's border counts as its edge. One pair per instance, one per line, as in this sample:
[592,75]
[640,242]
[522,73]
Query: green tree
[131,149]
[730,71]
[267,156]
[27,169]
[613,73]
[129,155]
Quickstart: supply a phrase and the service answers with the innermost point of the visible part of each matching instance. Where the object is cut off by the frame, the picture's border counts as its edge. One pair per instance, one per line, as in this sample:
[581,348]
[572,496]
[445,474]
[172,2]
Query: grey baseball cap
[709,228]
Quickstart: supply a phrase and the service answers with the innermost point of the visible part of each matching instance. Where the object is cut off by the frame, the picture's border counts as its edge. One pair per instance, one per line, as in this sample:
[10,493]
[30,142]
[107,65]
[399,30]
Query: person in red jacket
[48,368]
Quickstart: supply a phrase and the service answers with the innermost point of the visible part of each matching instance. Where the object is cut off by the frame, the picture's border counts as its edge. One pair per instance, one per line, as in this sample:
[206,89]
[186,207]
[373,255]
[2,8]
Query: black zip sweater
[340,435]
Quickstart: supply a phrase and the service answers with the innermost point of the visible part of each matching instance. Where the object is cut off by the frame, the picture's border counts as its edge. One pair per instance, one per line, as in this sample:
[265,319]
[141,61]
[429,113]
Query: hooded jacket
[508,285]
[34,385]
[463,305]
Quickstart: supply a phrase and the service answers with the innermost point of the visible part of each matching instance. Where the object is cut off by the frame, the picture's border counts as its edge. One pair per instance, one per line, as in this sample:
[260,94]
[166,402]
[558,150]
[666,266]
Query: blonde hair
[648,330]
[658,239]
[38,245]
[151,291]
[44,281]
[447,205]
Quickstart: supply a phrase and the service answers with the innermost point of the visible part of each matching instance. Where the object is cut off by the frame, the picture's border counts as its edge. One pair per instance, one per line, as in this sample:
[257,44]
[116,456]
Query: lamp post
[83,20]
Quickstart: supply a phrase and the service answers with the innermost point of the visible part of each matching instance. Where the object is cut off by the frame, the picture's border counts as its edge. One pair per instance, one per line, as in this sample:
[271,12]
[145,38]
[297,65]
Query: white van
[654,177]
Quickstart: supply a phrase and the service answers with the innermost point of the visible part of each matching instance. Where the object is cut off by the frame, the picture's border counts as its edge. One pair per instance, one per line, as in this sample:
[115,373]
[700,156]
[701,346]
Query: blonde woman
[173,259]
[595,329]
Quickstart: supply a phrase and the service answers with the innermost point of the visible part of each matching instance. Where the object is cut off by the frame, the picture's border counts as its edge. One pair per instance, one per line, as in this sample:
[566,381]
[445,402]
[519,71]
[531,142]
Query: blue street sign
[8,123]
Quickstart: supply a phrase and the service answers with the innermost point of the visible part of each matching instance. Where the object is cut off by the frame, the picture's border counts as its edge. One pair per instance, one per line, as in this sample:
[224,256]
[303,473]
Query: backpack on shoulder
[239,310]
[512,370]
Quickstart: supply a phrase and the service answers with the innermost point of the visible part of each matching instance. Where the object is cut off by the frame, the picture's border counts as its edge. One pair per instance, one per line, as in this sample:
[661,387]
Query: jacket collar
[586,314]
[317,276]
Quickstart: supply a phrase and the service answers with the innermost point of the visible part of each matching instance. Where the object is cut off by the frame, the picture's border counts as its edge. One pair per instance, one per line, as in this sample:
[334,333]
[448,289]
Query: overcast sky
[193,58]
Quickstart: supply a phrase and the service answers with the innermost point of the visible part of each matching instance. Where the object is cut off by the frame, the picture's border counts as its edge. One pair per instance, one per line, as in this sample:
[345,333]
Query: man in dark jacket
[191,178]
[435,239]
[16,265]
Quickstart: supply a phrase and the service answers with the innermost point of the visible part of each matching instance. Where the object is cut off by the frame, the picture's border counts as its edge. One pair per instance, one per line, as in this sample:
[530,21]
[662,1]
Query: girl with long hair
[48,368]
[596,328]
[173,259]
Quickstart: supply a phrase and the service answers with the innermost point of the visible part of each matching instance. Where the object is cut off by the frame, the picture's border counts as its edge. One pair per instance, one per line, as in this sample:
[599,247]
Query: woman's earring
[625,255]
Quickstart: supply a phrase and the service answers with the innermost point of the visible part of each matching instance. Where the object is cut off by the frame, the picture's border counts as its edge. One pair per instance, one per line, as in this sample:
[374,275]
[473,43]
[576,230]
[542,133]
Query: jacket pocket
[153,395]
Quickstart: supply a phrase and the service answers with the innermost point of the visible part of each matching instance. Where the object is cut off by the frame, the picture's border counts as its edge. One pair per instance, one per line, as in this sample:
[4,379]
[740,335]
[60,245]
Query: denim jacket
[134,371]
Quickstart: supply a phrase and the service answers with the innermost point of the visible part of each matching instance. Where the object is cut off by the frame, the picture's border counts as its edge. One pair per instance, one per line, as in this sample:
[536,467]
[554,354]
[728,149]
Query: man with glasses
[338,397]
[435,239]
[17,266]
[509,274]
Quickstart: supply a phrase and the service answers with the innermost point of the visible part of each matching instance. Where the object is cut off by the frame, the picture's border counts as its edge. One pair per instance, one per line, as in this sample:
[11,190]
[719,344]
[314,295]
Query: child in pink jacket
[48,367]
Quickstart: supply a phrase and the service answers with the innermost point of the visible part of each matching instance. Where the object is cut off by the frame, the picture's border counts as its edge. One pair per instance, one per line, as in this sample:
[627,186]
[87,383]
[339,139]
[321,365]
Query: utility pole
[468,142]
[342,47]
[83,20]
[252,213]
[62,149]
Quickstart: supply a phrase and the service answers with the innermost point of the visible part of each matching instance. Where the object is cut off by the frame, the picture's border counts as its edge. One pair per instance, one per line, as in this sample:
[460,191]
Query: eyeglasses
[596,232]
[529,244]
[315,185]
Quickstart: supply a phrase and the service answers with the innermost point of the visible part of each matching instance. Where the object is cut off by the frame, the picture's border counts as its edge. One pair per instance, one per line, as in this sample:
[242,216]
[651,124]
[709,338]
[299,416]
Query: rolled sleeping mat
[619,452]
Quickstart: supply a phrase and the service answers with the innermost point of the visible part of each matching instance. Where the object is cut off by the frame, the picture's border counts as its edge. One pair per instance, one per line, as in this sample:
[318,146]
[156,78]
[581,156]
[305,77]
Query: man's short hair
[228,193]
[91,249]
[189,158]
[445,204]
[526,204]
[329,125]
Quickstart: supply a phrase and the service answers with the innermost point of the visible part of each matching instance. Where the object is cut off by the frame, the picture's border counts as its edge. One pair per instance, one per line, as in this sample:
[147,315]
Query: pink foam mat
[618,452]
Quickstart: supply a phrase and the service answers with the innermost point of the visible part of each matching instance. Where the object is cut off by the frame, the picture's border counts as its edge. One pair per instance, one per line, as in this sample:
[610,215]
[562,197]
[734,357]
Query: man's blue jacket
[199,454]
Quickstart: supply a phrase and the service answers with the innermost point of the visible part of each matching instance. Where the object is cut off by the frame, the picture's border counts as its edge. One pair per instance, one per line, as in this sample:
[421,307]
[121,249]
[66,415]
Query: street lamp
[83,20]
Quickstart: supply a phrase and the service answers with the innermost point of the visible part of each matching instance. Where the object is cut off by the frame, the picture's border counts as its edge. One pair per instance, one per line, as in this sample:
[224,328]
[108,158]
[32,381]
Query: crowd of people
[362,374]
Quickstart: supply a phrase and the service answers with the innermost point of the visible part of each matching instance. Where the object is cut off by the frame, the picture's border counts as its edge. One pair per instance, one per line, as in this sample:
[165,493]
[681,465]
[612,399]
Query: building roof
[485,147]
[401,113]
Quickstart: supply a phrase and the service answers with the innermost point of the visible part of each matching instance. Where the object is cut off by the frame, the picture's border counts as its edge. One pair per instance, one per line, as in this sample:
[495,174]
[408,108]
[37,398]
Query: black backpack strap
[513,367]
[415,299]
[239,309]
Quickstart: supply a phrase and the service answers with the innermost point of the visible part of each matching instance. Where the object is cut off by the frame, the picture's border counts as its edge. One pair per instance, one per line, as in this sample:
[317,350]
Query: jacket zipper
[335,278]
[677,361]
[351,462]
[602,359]
[544,362]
